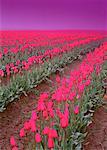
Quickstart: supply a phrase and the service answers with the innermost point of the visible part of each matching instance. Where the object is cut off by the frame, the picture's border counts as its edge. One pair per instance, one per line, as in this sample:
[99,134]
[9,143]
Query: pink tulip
[0,55]
[22,132]
[38,138]
[76,110]
[34,116]
[27,125]
[52,133]
[46,130]
[45,114]
[64,122]
[12,141]
[41,105]
[33,125]
[50,143]
[1,73]
[5,51]
[58,79]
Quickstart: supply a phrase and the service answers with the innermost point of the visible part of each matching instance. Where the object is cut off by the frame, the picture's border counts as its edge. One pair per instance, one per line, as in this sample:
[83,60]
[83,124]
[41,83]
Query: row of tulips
[15,86]
[36,44]
[31,48]
[14,50]
[59,117]
[41,38]
[19,65]
[36,38]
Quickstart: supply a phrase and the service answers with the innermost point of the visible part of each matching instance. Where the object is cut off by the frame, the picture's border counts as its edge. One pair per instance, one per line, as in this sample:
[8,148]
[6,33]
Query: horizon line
[53,29]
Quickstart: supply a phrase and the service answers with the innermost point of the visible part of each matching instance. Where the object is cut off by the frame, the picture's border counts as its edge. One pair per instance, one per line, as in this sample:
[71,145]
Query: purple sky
[53,14]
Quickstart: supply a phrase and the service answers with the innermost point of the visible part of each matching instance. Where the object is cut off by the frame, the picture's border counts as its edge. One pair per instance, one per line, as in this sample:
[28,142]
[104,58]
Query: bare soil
[97,131]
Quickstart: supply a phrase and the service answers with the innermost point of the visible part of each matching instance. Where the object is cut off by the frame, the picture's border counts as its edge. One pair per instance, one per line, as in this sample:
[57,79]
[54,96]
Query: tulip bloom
[38,138]
[22,132]
[76,110]
[1,73]
[0,55]
[5,51]
[50,143]
[27,125]
[34,116]
[12,141]
[58,79]
[46,130]
[33,125]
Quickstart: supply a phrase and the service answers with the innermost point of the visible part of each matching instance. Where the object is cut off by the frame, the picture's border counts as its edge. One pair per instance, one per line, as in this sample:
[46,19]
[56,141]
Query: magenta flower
[33,125]
[38,138]
[12,141]
[50,143]
[22,132]
[58,79]
[5,51]
[52,133]
[43,96]
[64,122]
[76,110]
[46,130]
[27,125]
[41,105]
[34,116]
[1,73]
[0,55]
[45,114]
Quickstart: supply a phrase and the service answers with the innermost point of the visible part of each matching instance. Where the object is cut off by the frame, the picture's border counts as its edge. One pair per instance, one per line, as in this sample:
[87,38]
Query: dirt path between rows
[97,131]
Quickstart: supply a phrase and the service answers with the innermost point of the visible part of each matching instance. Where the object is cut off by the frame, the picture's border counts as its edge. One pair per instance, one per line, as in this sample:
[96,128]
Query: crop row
[16,65]
[22,83]
[28,39]
[59,118]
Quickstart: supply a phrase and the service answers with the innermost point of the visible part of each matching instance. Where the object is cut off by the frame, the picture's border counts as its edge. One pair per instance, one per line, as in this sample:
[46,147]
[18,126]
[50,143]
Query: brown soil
[12,119]
[97,131]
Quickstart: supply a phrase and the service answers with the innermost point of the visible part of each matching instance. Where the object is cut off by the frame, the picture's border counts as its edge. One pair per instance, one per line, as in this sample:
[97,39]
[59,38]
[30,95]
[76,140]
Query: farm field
[51,82]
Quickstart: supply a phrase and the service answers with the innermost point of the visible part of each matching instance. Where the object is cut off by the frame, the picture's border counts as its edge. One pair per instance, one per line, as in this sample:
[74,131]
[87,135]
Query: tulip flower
[12,141]
[38,138]
[22,132]
[76,110]
[27,125]
[50,143]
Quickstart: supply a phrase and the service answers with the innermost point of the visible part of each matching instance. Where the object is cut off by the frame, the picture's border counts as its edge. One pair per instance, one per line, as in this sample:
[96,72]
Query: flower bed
[23,82]
[14,60]
[59,119]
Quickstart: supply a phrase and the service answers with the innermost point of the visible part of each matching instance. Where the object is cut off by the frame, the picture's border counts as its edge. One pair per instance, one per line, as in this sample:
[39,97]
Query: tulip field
[43,106]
